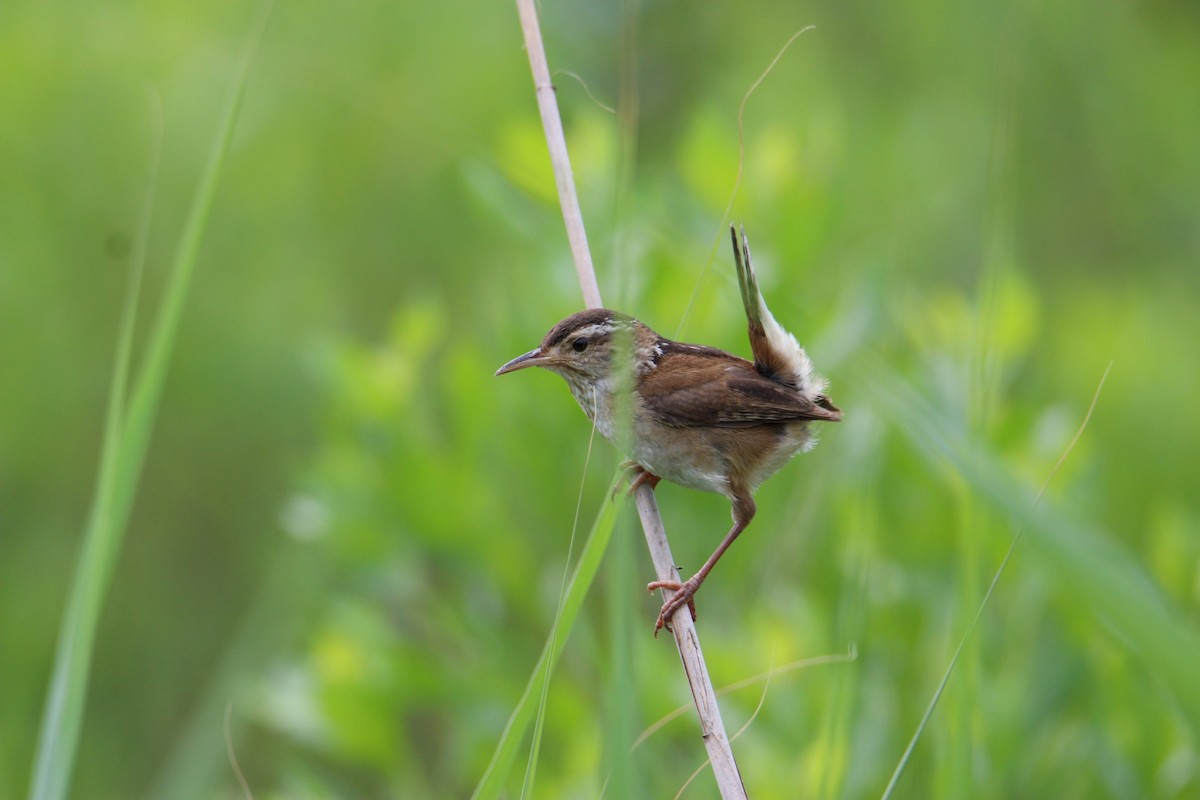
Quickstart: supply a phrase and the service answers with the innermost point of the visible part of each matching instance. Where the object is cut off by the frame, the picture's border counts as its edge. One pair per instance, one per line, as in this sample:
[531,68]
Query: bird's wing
[733,394]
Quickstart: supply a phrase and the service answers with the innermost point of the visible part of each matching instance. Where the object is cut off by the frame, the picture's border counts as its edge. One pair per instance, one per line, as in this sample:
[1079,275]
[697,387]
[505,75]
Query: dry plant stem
[716,741]
[557,144]
[712,728]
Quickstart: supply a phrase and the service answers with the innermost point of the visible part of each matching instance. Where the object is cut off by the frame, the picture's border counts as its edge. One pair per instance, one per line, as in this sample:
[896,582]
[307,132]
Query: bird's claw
[637,475]
[684,594]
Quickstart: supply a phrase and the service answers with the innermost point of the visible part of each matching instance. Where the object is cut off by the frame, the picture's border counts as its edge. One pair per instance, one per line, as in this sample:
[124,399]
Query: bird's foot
[683,595]
[637,475]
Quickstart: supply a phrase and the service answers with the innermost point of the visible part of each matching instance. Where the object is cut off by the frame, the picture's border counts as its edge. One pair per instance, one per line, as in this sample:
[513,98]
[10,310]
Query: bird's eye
[580,344]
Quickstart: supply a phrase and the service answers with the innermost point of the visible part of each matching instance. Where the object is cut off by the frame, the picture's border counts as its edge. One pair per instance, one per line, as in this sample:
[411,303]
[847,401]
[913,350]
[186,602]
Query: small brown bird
[700,417]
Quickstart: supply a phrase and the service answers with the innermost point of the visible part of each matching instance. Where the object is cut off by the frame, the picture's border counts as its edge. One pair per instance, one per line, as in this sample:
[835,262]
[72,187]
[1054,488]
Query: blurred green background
[352,536]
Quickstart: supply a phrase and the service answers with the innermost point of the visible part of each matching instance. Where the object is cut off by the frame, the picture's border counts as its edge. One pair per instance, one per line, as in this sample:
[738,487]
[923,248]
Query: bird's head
[581,347]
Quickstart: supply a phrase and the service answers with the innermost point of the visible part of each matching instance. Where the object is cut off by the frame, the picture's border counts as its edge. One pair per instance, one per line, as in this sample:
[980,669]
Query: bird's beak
[533,358]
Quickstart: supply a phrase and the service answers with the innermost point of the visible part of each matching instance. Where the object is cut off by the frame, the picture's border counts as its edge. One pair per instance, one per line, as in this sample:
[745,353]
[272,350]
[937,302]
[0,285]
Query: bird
[690,414]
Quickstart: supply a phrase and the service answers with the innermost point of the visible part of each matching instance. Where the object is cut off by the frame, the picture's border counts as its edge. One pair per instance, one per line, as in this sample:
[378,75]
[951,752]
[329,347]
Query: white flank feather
[799,369]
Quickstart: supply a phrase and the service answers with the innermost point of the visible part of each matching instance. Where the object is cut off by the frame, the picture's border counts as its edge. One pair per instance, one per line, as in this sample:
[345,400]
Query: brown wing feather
[710,387]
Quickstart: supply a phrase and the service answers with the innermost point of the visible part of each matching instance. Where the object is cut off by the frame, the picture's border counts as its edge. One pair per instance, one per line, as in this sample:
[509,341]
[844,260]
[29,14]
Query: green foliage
[354,535]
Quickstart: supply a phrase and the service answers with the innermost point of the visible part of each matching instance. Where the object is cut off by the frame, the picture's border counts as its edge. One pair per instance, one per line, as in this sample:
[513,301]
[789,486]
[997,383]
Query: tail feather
[777,354]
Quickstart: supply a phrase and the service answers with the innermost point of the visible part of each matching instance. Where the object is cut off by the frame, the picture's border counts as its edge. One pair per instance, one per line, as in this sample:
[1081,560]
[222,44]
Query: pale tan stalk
[712,729]
[557,144]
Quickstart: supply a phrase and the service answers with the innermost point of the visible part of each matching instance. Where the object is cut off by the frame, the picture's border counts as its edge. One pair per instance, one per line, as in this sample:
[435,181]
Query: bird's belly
[682,464]
[705,459]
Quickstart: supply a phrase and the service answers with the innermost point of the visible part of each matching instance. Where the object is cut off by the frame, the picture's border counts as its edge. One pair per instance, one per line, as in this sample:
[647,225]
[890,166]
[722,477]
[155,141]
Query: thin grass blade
[491,785]
[126,438]
[1092,568]
[64,701]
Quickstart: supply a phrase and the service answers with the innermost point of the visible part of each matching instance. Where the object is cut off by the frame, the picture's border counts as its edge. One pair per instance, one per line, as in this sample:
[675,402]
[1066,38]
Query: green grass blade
[114,422]
[64,702]
[1012,548]
[1090,567]
[126,437]
[491,785]
[540,717]
[620,718]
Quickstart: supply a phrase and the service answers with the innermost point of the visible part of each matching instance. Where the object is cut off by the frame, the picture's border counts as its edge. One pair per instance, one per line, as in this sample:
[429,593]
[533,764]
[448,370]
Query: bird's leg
[743,512]
[637,475]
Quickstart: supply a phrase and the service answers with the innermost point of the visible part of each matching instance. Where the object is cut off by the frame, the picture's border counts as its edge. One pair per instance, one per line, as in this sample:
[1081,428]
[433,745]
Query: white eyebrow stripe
[599,329]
